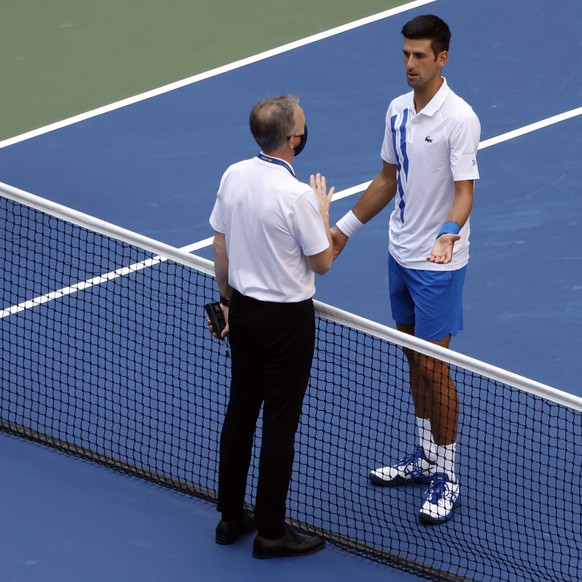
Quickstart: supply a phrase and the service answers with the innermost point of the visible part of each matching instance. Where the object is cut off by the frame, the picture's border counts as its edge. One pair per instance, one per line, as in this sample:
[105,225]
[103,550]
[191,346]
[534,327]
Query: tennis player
[429,158]
[271,236]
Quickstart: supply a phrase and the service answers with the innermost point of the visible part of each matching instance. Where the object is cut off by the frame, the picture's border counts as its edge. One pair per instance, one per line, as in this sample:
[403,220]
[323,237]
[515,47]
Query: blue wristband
[449,228]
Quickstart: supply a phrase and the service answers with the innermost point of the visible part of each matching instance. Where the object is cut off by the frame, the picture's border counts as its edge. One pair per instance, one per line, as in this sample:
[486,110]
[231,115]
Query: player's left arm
[464,143]
[442,250]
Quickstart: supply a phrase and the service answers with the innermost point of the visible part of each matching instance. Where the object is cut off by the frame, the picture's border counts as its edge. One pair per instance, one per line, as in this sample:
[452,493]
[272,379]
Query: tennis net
[106,355]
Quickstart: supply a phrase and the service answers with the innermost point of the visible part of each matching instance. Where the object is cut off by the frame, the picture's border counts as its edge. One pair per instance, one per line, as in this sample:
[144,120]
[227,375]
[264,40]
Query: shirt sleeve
[217,215]
[464,143]
[308,225]
[387,153]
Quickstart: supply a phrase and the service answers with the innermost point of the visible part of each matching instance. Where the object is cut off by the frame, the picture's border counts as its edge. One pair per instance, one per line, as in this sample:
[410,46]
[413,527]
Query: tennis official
[429,165]
[271,235]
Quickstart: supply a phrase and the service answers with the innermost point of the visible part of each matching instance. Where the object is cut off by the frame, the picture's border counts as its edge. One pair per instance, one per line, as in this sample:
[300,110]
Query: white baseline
[213,73]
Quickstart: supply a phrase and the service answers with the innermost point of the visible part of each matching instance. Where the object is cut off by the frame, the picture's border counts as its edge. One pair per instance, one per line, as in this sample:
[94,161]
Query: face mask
[298,149]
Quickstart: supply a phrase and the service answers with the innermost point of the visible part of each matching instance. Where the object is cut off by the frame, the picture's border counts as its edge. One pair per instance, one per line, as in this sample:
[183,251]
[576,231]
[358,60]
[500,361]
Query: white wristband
[349,224]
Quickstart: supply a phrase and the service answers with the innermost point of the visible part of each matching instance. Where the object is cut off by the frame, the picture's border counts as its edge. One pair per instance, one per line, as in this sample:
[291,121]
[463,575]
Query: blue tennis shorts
[432,301]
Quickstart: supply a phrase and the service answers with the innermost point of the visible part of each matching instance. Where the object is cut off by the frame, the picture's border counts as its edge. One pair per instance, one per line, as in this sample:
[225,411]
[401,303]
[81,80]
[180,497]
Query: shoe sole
[397,481]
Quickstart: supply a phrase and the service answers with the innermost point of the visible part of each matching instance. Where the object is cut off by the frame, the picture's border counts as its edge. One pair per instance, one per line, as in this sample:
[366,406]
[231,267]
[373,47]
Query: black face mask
[298,149]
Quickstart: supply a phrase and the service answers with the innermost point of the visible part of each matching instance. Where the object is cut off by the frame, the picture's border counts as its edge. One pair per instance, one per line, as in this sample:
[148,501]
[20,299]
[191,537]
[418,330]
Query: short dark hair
[272,120]
[429,27]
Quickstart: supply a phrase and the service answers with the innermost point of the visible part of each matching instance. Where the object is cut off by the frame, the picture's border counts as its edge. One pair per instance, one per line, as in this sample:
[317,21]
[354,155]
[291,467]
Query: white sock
[425,438]
[445,462]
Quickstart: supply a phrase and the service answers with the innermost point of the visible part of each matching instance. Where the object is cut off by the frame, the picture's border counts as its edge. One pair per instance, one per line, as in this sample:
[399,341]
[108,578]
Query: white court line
[208,241]
[121,272]
[213,73]
[80,286]
[529,128]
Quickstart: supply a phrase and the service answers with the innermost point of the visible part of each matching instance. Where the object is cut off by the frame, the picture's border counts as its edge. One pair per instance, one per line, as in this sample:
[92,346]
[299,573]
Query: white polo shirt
[271,222]
[432,150]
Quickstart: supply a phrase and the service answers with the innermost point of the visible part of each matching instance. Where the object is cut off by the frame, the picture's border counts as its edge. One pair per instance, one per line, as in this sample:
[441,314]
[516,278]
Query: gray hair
[272,121]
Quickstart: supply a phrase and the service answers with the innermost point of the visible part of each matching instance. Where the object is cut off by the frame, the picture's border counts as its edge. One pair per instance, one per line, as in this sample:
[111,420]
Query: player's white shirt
[271,222]
[432,150]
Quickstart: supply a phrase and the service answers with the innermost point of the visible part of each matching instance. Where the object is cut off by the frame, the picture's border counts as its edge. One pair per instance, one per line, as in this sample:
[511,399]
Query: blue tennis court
[153,167]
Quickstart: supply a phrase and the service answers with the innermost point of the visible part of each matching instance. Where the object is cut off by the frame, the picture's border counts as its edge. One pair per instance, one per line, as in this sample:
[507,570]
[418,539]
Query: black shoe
[227,532]
[291,544]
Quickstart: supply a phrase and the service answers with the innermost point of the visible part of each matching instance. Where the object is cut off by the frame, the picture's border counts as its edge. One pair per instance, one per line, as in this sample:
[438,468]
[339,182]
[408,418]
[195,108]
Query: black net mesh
[105,354]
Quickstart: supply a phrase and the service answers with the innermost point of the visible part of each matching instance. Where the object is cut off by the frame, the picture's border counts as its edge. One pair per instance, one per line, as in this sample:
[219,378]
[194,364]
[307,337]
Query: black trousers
[272,349]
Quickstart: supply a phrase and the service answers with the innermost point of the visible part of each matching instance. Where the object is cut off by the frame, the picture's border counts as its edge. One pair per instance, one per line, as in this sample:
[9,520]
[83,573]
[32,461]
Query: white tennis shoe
[414,468]
[440,499]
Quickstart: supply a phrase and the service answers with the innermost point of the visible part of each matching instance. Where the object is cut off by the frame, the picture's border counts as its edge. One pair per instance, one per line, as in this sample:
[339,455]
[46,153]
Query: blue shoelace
[412,463]
[437,490]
